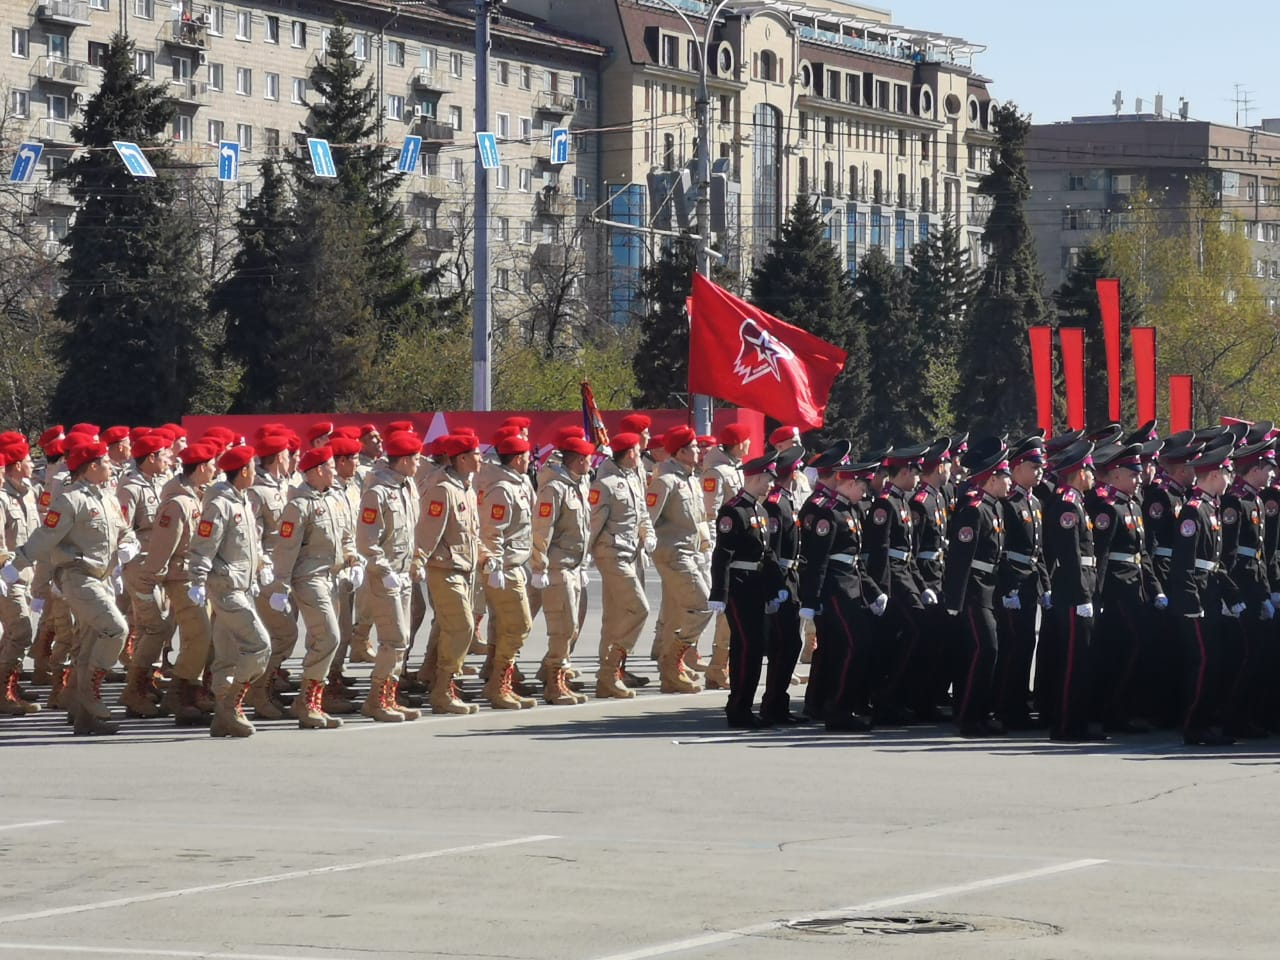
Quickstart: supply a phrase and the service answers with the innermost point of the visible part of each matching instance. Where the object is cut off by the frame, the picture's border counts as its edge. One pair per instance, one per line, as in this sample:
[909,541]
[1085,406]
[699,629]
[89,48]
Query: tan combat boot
[264,706]
[498,689]
[609,678]
[228,716]
[186,711]
[334,699]
[674,680]
[62,691]
[11,704]
[89,694]
[555,692]
[204,693]
[393,692]
[444,696]
[135,697]
[308,710]
[85,724]
[361,651]
[375,704]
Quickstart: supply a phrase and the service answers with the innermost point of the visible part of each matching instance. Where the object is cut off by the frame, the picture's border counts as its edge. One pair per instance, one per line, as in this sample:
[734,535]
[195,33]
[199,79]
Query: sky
[1062,60]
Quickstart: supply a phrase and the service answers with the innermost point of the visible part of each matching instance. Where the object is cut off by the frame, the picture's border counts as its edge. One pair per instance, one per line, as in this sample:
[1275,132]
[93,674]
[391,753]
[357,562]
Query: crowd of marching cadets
[1081,585]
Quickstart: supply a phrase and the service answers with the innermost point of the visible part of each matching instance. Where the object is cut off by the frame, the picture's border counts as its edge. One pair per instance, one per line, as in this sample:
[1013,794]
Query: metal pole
[482,318]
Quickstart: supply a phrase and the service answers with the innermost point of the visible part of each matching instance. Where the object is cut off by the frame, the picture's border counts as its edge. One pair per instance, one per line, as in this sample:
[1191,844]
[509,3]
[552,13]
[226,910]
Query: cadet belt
[1246,552]
[848,558]
[1088,562]
[1020,558]
[743,565]
[899,554]
[1209,565]
[1126,557]
[984,567]
[1162,552]
[929,555]
[786,564]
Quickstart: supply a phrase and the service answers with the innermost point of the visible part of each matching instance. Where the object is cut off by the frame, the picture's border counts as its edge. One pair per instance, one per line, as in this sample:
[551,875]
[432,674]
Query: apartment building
[1084,171]
[241,71]
[888,127]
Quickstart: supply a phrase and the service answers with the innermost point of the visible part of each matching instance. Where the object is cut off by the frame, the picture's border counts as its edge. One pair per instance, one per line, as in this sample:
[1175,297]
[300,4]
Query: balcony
[191,93]
[430,80]
[188,30]
[54,193]
[541,151]
[68,13]
[433,130]
[554,102]
[554,257]
[432,186]
[552,203]
[56,133]
[56,70]
[437,239]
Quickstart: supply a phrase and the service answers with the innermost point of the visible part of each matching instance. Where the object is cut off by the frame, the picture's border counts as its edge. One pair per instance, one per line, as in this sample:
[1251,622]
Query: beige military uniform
[561,525]
[139,498]
[166,566]
[346,497]
[618,525]
[21,519]
[269,495]
[226,556]
[677,512]
[505,545]
[384,537]
[313,547]
[449,538]
[57,615]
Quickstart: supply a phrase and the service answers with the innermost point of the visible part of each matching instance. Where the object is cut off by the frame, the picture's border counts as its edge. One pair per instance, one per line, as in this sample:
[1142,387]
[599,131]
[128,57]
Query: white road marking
[714,939]
[72,948]
[29,824]
[273,878]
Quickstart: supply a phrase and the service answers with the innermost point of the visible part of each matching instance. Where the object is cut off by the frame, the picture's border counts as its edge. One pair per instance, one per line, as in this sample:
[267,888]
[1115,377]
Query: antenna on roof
[1184,108]
[1118,102]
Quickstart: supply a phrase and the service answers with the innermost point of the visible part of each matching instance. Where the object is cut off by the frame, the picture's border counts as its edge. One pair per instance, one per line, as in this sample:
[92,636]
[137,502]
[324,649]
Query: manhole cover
[891,925]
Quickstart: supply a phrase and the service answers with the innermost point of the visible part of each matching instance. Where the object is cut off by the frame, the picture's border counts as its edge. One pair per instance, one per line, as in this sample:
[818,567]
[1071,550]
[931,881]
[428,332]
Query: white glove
[117,582]
[783,596]
[584,578]
[356,574]
[1268,610]
[929,598]
[498,580]
[881,603]
[4,588]
[197,595]
[650,543]
[806,613]
[715,606]
[37,606]
[1012,602]
[540,581]
[9,573]
[953,613]
[1046,600]
[1162,602]
[1084,610]
[267,574]
[279,602]
[1238,609]
[127,551]
[392,582]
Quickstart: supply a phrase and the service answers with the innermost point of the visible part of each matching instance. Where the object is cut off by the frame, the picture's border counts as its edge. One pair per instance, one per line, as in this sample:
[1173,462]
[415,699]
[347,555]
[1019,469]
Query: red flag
[1072,339]
[741,354]
[1042,369]
[1179,403]
[1143,343]
[1109,301]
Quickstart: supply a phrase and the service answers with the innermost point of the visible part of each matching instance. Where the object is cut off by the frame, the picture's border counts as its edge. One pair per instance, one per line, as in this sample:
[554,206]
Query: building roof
[508,23]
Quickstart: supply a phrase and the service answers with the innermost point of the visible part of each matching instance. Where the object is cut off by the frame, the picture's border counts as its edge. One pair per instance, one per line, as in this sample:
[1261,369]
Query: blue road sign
[228,161]
[560,145]
[24,164]
[321,157]
[134,159]
[488,145]
[409,154]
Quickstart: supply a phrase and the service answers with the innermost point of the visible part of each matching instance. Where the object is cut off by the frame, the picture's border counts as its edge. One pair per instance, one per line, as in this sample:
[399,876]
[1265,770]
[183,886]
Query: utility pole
[482,317]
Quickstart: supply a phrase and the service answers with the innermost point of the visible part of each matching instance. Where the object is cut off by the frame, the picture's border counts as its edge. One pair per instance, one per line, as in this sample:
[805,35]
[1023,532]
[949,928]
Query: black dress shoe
[782,720]
[747,721]
[848,723]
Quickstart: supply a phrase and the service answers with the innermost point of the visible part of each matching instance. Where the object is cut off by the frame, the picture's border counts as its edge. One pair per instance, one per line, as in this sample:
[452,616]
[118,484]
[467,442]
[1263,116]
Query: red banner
[1072,340]
[1109,303]
[1042,370]
[1180,395]
[1142,340]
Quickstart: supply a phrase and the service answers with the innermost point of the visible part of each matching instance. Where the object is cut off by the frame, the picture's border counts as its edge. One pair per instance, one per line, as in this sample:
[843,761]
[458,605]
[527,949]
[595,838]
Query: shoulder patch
[435,508]
[1272,508]
[498,511]
[1071,495]
[1156,510]
[1102,521]
[286,529]
[1230,515]
[594,497]
[921,496]
[880,516]
[205,528]
[775,495]
[1068,520]
[965,534]
[46,498]
[651,499]
[823,528]
[725,524]
[51,518]
[709,484]
[164,520]
[1188,528]
[370,515]
[544,510]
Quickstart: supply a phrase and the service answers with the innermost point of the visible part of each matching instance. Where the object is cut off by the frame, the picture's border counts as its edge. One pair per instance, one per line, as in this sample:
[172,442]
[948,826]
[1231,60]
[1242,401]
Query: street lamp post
[482,318]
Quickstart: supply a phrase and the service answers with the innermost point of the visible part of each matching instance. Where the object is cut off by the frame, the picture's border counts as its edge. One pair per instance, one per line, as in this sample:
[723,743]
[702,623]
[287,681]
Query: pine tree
[803,281]
[995,365]
[133,298]
[898,409]
[661,361]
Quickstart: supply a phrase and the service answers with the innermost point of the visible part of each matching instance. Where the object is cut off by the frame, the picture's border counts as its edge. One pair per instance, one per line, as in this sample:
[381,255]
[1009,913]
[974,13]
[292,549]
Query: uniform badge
[46,498]
[205,529]
[1188,528]
[773,524]
[965,534]
[369,516]
[1272,508]
[725,524]
[164,520]
[499,511]
[1230,515]
[51,518]
[594,497]
[435,509]
[709,484]
[1068,520]
[823,528]
[651,499]
[880,517]
[286,529]
[544,510]
[237,518]
[1156,510]
[124,512]
[1103,521]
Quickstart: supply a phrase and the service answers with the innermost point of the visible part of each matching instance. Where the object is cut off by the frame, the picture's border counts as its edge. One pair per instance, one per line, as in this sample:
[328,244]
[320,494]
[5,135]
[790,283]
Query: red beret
[295,441]
[74,440]
[115,435]
[503,432]
[636,422]
[137,433]
[261,432]
[315,457]
[175,430]
[236,458]
[5,459]
[783,434]
[55,448]
[163,433]
[456,444]
[224,433]
[677,438]
[656,441]
[464,432]
[364,430]
[402,443]
[573,431]
[318,430]
[512,445]
[88,429]
[197,453]
[622,442]
[733,434]
[577,445]
[405,426]
[351,433]
[523,423]
[85,453]
[273,443]
[149,444]
[706,440]
[17,450]
[344,447]
[53,433]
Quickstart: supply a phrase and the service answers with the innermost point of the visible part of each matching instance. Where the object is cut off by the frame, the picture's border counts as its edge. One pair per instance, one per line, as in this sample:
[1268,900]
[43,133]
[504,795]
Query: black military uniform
[742,574]
[973,569]
[784,641]
[1069,534]
[930,514]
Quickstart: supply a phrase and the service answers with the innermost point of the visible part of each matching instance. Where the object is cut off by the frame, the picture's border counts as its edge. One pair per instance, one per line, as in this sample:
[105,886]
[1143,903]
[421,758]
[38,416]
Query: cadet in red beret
[16,616]
[637,423]
[346,492]
[677,438]
[400,426]
[318,433]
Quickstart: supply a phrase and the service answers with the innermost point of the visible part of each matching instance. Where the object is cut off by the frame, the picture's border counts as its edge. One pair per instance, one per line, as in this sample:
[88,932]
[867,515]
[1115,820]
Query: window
[502,278]
[57,107]
[97,54]
[504,126]
[502,73]
[217,20]
[215,76]
[299,94]
[395,106]
[215,131]
[875,228]
[427,58]
[244,133]
[502,228]
[503,179]
[244,25]
[144,63]
[244,193]
[362,46]
[455,64]
[766,65]
[244,81]
[455,118]
[526,232]
[692,55]
[271,31]
[271,86]
[57,45]
[144,9]
[526,78]
[18,45]
[669,50]
[455,170]
[395,53]
[182,127]
[181,68]
[526,128]
[300,34]
[20,103]
[580,188]
[99,5]
[271,136]
[526,180]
